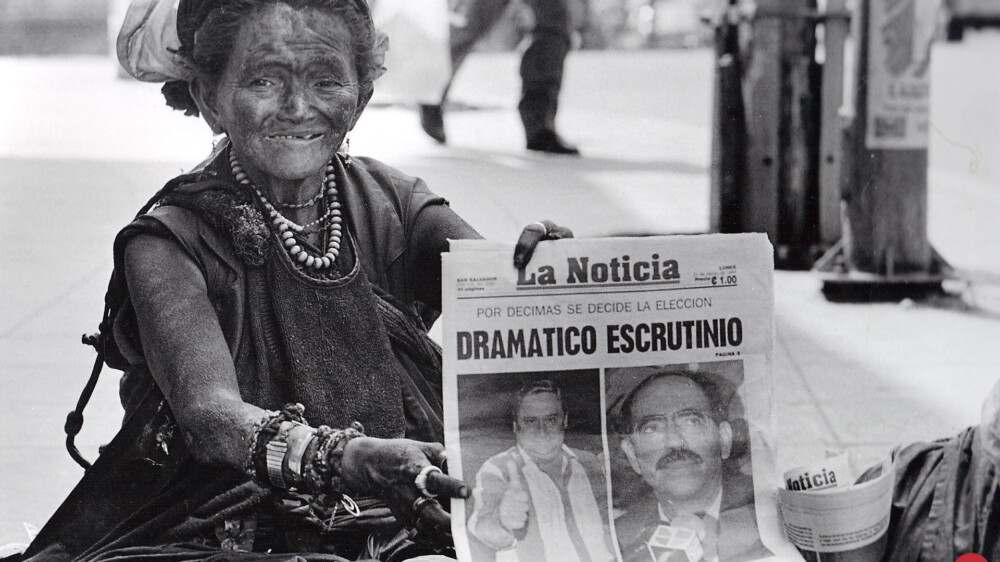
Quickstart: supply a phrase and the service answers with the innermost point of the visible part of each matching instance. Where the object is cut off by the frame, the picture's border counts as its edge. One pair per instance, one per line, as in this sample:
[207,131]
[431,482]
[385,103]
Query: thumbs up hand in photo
[515,504]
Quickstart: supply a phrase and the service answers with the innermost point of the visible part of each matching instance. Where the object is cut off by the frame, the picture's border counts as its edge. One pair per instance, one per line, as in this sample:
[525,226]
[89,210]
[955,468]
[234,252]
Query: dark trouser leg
[542,65]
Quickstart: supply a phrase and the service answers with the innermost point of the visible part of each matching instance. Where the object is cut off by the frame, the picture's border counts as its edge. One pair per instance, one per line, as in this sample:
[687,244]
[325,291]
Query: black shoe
[547,140]
[432,120]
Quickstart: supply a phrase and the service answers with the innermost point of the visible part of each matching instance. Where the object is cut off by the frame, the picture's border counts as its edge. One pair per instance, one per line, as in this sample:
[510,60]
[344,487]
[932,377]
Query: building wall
[51,10]
[53,27]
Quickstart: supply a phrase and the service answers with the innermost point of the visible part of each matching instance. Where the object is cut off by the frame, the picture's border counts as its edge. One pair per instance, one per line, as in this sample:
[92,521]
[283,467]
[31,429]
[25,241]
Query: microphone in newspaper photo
[675,544]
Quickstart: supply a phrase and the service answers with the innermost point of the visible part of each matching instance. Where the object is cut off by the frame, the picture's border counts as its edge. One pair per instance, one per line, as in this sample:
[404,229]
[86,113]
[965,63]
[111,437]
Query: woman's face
[289,93]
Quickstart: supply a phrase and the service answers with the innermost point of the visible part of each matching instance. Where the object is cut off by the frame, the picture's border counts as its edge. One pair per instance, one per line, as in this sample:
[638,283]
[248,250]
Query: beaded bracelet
[324,472]
[266,430]
[287,453]
[258,427]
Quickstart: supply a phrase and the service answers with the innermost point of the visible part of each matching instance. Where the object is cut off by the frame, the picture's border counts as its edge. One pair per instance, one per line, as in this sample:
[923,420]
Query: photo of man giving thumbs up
[541,500]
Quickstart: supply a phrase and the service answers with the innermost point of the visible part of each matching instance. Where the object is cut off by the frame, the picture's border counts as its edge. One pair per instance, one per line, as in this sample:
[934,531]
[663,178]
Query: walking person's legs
[479,17]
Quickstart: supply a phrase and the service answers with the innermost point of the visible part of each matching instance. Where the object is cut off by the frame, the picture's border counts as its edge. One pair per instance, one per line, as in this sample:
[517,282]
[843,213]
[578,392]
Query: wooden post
[835,29]
[766,175]
[780,193]
[762,95]
[886,192]
[798,137]
[728,128]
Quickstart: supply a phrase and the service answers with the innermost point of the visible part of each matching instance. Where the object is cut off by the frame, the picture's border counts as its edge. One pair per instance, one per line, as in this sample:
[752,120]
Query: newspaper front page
[612,401]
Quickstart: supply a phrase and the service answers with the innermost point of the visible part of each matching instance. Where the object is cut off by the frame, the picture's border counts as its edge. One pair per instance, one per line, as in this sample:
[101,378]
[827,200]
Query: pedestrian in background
[541,68]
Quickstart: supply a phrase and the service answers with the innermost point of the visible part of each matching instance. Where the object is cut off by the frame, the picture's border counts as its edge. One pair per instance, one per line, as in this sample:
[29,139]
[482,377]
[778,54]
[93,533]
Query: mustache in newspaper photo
[677,455]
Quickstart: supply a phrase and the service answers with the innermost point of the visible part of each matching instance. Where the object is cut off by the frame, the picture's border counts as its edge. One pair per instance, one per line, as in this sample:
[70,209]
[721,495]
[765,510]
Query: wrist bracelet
[287,453]
[299,438]
[258,427]
[275,456]
[268,444]
[284,454]
[324,470]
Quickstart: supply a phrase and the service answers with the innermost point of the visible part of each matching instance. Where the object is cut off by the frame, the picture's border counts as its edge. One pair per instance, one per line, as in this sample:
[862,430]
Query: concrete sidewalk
[80,151]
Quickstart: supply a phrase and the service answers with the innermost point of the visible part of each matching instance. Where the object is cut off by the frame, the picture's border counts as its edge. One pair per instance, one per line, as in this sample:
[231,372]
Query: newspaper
[612,401]
[831,517]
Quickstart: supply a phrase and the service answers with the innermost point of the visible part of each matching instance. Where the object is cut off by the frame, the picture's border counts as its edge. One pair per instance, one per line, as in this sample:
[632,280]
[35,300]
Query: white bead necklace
[288,230]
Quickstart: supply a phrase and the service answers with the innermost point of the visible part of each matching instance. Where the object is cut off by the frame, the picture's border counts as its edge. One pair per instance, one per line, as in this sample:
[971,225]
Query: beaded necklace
[309,203]
[289,231]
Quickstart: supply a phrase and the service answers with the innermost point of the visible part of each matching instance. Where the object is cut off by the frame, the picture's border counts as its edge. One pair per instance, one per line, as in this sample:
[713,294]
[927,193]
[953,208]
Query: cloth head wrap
[148,43]
[155,30]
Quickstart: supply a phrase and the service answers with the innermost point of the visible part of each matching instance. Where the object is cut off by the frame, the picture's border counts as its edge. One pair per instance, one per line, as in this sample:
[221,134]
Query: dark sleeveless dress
[346,347]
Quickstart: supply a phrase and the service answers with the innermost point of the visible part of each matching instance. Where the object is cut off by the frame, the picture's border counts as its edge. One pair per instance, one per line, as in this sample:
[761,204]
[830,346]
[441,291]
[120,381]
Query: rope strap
[74,420]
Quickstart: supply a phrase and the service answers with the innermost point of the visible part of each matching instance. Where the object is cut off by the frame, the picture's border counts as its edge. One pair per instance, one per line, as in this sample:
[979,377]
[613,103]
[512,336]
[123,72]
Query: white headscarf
[147,42]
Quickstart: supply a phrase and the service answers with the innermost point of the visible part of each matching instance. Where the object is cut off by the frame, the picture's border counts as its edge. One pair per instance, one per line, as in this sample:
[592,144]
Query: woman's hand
[389,468]
[532,235]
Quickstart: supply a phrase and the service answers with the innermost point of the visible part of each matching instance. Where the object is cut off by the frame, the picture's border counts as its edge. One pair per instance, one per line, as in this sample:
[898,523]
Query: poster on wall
[900,34]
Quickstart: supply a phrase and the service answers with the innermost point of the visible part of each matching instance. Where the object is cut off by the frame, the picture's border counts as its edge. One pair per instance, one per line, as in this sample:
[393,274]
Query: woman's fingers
[525,247]
[438,483]
[441,484]
[557,232]
[420,513]
[532,235]
[431,518]
[410,473]
[436,454]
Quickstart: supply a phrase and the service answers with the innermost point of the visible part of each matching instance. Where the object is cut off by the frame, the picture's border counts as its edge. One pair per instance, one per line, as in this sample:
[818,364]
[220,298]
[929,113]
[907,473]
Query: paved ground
[81,150]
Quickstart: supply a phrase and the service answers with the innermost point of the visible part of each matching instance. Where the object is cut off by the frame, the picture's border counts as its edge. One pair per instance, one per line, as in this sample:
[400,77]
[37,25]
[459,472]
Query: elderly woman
[266,311]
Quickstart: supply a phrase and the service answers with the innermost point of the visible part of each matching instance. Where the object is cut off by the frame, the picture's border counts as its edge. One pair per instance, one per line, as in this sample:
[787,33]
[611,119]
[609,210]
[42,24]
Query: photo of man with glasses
[676,436]
[540,499]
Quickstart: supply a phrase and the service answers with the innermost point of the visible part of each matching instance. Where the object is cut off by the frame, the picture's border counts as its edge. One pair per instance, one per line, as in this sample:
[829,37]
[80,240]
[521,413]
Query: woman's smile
[294,136]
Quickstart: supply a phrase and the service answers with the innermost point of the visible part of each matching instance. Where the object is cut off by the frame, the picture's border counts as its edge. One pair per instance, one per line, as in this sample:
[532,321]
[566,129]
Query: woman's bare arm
[432,229]
[187,352]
